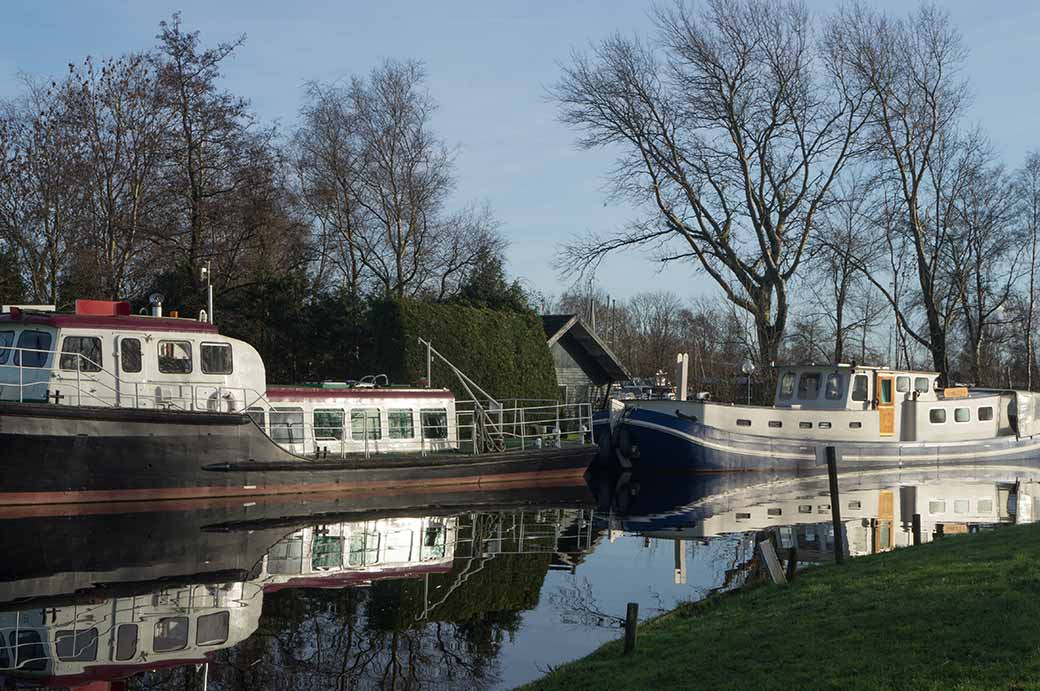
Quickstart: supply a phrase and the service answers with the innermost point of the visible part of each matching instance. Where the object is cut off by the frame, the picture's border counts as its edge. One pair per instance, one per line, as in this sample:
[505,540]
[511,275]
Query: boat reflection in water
[113,629]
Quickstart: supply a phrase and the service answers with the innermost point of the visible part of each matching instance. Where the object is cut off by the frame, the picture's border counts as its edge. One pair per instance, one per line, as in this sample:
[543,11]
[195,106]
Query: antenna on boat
[206,276]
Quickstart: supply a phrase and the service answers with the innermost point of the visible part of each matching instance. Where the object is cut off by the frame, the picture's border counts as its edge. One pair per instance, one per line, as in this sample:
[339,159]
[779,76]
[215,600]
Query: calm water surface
[413,593]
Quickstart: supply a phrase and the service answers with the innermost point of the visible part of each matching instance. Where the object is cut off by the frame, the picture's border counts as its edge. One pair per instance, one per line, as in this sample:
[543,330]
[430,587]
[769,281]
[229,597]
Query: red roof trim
[130,323]
[289,393]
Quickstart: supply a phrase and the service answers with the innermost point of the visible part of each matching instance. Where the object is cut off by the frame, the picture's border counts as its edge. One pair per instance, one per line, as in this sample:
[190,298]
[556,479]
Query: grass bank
[961,612]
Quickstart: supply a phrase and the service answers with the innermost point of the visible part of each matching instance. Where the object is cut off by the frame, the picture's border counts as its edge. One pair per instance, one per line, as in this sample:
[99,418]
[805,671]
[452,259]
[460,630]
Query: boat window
[364,549]
[175,357]
[985,506]
[126,642]
[809,386]
[886,390]
[400,424]
[434,541]
[855,424]
[985,413]
[936,507]
[171,633]
[823,425]
[434,424]
[365,420]
[287,425]
[33,347]
[743,423]
[902,384]
[961,415]
[327,552]
[805,508]
[743,516]
[859,387]
[774,512]
[961,506]
[27,647]
[212,628]
[787,385]
[854,504]
[776,423]
[835,389]
[328,424]
[216,358]
[130,354]
[921,384]
[937,416]
[6,340]
[76,646]
[804,425]
[81,352]
[258,416]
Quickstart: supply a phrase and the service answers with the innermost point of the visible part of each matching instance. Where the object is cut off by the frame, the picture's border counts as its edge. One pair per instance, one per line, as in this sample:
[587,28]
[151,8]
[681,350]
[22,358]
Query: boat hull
[650,439]
[72,455]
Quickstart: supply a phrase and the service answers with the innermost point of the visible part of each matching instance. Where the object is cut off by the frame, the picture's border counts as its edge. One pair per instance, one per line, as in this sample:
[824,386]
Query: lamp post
[747,368]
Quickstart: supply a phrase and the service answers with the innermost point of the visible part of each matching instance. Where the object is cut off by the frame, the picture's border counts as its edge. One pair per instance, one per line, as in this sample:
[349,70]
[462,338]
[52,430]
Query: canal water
[409,592]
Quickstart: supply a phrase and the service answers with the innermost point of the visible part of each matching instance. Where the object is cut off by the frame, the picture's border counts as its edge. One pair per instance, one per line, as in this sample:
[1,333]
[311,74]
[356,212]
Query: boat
[101,405]
[870,416]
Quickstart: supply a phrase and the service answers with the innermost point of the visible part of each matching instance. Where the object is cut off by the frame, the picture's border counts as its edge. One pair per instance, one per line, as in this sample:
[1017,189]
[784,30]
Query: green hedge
[504,352]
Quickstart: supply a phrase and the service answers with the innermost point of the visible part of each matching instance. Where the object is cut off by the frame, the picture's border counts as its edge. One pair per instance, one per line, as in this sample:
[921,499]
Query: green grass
[960,613]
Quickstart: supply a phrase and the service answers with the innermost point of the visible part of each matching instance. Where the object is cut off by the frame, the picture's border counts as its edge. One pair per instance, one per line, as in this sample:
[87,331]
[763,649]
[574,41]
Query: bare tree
[732,125]
[1028,180]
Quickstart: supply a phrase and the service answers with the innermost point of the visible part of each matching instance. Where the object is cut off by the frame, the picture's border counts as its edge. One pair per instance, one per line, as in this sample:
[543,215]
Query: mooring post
[792,563]
[916,527]
[832,475]
[631,620]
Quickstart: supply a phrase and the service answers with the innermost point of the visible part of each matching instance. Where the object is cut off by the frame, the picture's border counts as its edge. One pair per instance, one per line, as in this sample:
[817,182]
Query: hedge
[504,352]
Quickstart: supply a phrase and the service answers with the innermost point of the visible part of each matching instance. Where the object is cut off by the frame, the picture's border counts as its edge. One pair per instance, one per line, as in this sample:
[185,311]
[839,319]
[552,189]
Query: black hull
[57,455]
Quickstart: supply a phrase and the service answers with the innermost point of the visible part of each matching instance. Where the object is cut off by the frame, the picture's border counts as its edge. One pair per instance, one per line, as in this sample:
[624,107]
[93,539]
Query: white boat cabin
[102,355]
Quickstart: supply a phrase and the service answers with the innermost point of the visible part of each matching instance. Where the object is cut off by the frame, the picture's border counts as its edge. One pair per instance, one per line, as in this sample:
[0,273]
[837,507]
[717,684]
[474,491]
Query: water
[431,592]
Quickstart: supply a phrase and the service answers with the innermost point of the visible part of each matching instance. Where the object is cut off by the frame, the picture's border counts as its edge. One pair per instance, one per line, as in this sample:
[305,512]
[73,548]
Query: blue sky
[488,65]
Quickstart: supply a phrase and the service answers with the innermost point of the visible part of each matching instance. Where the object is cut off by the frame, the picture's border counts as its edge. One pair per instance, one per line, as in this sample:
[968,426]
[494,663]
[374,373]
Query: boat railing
[490,427]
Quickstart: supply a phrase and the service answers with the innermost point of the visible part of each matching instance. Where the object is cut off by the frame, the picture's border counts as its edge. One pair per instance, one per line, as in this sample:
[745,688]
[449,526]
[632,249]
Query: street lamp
[748,368]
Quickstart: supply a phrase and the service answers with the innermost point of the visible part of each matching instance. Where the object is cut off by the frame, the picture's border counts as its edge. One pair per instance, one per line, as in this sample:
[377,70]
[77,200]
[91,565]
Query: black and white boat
[101,405]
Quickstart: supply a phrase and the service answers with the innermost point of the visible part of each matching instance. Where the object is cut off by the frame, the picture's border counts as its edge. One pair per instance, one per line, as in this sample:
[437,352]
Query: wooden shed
[585,366]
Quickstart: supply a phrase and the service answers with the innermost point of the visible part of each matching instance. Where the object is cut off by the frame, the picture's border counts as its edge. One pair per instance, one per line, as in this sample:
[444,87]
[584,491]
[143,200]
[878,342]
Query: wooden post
[917,528]
[631,620]
[832,475]
[792,563]
[776,572]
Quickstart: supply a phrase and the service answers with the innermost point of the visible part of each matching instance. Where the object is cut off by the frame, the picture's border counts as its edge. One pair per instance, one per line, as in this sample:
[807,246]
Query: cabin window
[175,357]
[985,413]
[886,390]
[859,387]
[855,424]
[171,633]
[805,508]
[961,415]
[937,416]
[936,507]
[212,628]
[809,386]
[82,353]
[743,423]
[823,425]
[216,358]
[126,642]
[258,416]
[76,646]
[787,385]
[903,384]
[364,420]
[434,424]
[327,552]
[364,549]
[400,424]
[130,355]
[921,384]
[434,541]
[33,347]
[743,516]
[328,424]
[804,425]
[985,506]
[961,506]
[774,512]
[6,341]
[855,505]
[287,425]
[28,650]
[835,389]
[776,423]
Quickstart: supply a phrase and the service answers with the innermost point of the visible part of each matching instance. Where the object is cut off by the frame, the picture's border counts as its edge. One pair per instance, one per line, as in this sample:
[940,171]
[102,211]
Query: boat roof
[100,314]
[281,392]
[853,366]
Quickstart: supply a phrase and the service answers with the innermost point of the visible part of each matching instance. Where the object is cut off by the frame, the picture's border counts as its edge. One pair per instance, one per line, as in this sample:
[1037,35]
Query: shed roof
[574,328]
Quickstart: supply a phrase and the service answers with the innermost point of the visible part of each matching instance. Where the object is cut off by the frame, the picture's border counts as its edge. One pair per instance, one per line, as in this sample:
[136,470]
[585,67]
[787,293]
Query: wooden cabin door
[885,387]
